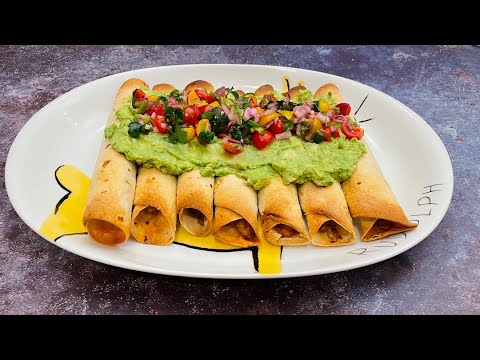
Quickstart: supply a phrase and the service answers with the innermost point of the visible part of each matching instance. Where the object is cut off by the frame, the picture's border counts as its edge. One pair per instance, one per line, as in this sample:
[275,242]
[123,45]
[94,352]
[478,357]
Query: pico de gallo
[241,119]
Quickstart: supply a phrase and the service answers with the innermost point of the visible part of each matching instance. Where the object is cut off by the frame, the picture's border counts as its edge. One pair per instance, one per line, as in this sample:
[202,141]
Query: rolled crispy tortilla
[294,91]
[236,212]
[326,210]
[200,84]
[325,89]
[264,89]
[195,192]
[281,214]
[108,208]
[195,202]
[370,198]
[154,218]
[166,88]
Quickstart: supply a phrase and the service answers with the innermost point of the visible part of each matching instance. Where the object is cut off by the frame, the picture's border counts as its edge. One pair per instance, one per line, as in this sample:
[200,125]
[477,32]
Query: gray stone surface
[441,275]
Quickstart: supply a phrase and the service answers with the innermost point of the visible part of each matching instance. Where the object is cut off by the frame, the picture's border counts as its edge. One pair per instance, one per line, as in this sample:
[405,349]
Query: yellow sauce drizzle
[208,242]
[269,261]
[285,82]
[68,219]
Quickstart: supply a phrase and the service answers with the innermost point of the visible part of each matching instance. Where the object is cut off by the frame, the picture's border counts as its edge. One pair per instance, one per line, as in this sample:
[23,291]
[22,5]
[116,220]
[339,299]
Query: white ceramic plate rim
[441,211]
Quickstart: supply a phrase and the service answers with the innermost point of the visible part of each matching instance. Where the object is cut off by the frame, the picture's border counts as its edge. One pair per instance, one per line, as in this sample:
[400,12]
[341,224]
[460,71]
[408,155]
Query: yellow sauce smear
[286,81]
[269,261]
[208,242]
[68,220]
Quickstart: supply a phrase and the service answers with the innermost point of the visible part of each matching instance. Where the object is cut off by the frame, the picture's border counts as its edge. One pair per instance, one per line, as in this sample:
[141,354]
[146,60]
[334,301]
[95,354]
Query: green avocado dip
[295,160]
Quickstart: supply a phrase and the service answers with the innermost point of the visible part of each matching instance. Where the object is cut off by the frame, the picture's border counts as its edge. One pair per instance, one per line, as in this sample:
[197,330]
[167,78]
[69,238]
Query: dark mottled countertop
[440,275]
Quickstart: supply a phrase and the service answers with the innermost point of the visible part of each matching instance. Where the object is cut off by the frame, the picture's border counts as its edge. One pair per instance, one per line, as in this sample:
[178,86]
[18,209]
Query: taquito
[370,198]
[281,214]
[326,210]
[195,192]
[154,218]
[108,208]
[195,202]
[328,88]
[236,212]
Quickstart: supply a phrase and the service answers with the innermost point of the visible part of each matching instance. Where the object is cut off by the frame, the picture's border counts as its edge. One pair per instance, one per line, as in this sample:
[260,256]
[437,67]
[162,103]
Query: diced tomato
[191,115]
[326,134]
[160,124]
[334,131]
[138,94]
[277,127]
[352,131]
[202,109]
[260,141]
[232,148]
[344,108]
[204,96]
[156,108]
[252,100]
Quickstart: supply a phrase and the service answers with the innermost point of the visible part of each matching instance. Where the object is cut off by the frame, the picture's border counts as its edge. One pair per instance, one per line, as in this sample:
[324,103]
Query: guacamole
[293,159]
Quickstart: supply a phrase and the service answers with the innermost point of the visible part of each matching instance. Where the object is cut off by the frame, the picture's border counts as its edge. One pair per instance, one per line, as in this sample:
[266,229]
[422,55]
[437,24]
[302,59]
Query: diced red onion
[221,92]
[283,136]
[225,109]
[333,129]
[247,114]
[173,102]
[229,139]
[141,122]
[269,124]
[330,113]
[297,129]
[297,120]
[232,116]
[324,119]
[272,106]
